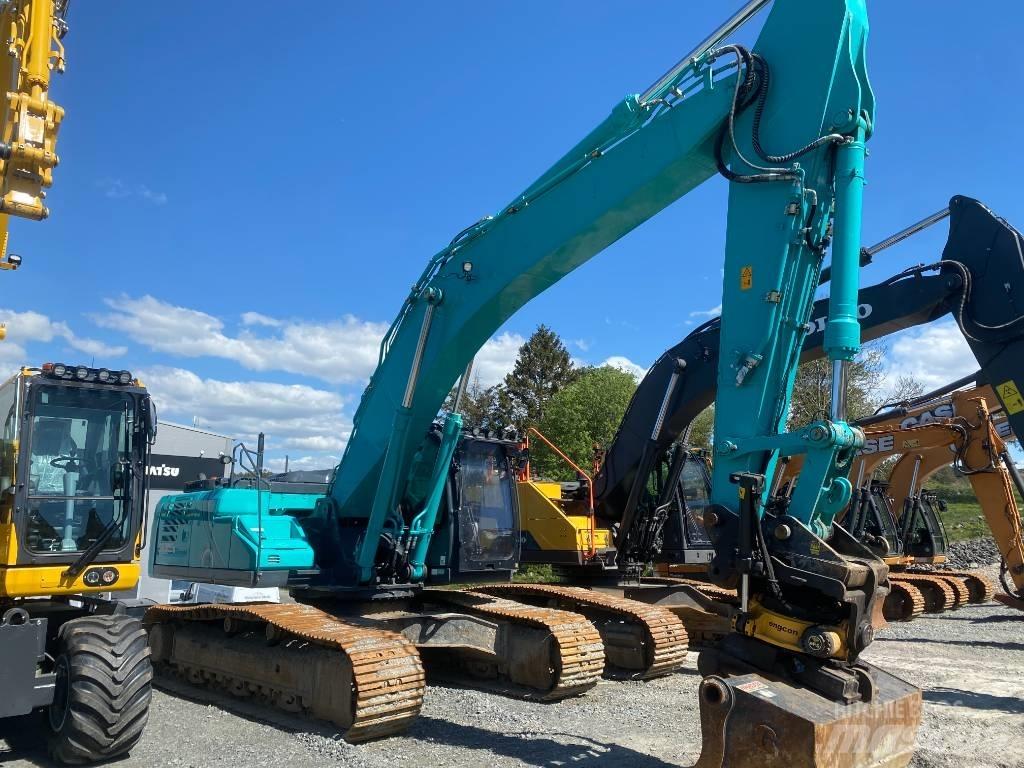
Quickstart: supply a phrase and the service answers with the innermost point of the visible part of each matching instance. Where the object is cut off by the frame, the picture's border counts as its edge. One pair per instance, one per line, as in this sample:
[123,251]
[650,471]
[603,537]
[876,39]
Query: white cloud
[935,355]
[255,318]
[627,365]
[293,463]
[342,351]
[294,417]
[496,358]
[713,312]
[581,344]
[30,328]
[117,189]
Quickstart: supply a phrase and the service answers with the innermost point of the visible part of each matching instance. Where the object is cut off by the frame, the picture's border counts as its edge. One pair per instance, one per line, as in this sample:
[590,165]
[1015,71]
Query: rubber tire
[104,706]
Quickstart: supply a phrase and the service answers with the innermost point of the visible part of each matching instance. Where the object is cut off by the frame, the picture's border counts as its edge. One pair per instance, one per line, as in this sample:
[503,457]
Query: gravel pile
[972,553]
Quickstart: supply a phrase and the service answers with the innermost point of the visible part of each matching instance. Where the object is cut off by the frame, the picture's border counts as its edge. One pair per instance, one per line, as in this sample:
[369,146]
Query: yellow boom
[28,144]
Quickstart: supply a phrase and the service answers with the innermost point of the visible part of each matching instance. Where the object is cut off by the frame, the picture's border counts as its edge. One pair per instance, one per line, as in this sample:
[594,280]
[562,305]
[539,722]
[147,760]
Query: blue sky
[246,195]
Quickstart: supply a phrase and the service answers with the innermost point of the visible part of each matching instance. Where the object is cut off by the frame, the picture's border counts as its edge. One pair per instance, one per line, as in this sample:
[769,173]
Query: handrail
[590,482]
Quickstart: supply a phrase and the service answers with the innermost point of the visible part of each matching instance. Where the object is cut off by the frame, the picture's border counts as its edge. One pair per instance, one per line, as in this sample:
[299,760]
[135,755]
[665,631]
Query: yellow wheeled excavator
[73,458]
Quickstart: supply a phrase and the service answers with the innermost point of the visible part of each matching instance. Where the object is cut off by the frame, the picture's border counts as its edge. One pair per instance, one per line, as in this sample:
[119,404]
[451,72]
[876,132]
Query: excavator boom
[29,120]
[644,156]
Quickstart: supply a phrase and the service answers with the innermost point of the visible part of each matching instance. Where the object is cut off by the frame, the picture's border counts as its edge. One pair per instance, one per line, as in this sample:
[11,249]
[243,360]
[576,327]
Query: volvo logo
[817,324]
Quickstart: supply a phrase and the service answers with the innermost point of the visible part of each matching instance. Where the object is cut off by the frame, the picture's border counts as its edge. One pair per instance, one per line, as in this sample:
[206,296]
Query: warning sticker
[746,278]
[1011,397]
[753,685]
[911,444]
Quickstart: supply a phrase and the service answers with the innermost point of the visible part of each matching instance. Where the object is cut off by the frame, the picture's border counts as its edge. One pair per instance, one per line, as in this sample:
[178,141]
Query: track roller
[980,589]
[367,681]
[556,653]
[904,602]
[641,641]
[938,594]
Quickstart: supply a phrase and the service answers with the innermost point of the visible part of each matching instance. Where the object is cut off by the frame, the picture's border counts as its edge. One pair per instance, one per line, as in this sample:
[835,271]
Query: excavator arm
[986,463]
[980,276]
[906,300]
[698,119]
[29,119]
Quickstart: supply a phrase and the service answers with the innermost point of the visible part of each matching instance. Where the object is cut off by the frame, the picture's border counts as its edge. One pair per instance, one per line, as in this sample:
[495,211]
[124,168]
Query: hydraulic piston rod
[737,20]
[868,254]
[842,334]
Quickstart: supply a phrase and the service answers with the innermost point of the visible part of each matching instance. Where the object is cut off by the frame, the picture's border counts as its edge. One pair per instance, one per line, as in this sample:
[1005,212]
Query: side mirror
[150,418]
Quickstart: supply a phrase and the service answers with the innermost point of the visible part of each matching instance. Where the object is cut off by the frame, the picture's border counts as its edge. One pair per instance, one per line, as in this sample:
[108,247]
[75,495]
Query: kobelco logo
[817,324]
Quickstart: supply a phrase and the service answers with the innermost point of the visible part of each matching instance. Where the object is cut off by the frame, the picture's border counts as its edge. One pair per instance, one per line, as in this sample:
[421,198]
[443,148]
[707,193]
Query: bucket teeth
[383,668]
[664,644]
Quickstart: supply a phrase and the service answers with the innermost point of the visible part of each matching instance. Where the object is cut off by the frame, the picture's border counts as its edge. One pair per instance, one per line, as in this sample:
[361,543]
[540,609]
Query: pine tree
[543,368]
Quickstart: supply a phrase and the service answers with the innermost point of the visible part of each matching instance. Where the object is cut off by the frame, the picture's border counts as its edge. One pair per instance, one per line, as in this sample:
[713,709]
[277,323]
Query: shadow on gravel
[25,739]
[1007,646]
[998,618]
[958,698]
[536,750]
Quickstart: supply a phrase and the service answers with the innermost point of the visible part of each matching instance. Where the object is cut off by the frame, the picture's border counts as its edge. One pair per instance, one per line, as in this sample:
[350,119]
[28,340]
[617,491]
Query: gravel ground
[970,664]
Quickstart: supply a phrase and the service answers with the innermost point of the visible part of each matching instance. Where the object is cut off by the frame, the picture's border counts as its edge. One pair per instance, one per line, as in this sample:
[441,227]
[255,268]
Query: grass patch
[964,520]
[536,574]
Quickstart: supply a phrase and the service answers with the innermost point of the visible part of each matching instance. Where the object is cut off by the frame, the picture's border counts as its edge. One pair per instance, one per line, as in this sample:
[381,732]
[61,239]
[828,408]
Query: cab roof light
[85,373]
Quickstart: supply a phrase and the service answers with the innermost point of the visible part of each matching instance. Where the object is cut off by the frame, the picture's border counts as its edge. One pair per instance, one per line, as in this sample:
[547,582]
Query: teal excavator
[786,124]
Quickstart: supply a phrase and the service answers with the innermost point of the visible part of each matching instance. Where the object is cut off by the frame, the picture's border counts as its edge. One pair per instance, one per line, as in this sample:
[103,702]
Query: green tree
[584,414]
[812,393]
[543,367]
[481,407]
[906,388]
[702,429]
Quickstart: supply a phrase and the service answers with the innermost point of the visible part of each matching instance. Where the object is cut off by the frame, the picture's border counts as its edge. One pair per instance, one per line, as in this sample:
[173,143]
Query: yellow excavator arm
[983,461]
[28,145]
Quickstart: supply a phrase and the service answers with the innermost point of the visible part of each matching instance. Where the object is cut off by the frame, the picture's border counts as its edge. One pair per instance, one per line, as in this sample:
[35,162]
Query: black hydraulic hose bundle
[752,89]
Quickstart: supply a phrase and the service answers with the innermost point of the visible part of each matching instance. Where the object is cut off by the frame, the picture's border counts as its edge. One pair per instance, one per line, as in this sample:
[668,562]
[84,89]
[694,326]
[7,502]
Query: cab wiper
[89,555]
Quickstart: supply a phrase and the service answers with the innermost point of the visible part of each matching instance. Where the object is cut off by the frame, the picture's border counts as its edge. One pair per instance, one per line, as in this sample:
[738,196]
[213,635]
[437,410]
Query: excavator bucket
[1010,602]
[752,721]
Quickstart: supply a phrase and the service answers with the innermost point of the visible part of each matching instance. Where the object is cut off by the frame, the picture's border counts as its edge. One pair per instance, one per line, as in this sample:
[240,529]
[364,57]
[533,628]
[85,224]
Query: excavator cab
[75,441]
[924,535]
[870,519]
[686,540]
[478,536]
